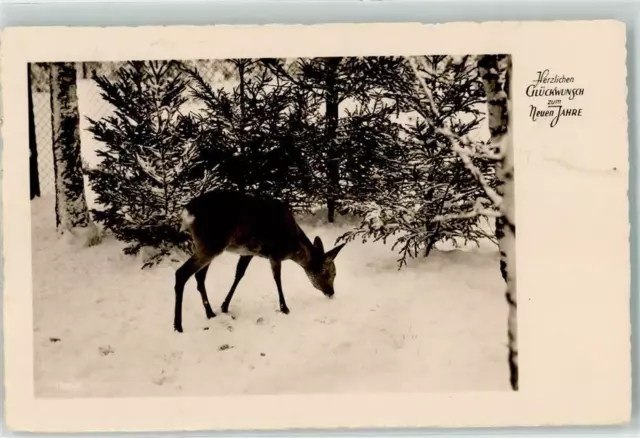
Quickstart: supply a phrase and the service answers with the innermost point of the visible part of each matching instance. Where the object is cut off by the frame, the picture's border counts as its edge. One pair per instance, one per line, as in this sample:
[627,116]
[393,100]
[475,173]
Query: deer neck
[306,252]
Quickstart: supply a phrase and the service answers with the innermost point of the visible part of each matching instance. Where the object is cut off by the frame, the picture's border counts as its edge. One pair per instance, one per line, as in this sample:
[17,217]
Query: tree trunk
[495,71]
[245,153]
[331,115]
[72,214]
[241,69]
[34,176]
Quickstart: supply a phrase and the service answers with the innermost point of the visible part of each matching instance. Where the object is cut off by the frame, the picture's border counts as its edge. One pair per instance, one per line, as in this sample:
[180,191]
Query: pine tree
[494,72]
[250,133]
[300,137]
[335,80]
[426,186]
[370,140]
[150,166]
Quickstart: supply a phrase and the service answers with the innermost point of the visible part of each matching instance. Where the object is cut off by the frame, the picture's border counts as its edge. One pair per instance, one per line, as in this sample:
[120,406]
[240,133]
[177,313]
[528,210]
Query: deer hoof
[211,315]
[178,328]
[225,308]
[284,310]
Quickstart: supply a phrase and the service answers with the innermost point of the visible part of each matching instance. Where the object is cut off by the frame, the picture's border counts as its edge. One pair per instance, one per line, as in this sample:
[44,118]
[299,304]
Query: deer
[249,226]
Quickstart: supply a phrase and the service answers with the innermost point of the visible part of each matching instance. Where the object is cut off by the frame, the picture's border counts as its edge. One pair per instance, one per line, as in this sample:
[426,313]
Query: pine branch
[456,142]
[478,210]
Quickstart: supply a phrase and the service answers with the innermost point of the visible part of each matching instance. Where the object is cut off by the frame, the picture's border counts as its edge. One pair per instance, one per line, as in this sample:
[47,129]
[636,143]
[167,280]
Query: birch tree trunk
[495,71]
[72,214]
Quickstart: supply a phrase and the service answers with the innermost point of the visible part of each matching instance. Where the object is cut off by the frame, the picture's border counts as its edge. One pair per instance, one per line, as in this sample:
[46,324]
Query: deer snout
[329,293]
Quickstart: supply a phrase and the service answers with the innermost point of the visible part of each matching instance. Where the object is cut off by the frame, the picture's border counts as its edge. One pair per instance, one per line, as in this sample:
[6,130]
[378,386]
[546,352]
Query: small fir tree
[150,166]
[429,195]
[335,81]
[251,132]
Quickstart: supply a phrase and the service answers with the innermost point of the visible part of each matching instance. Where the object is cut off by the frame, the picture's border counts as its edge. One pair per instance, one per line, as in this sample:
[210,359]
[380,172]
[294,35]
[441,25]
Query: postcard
[315,226]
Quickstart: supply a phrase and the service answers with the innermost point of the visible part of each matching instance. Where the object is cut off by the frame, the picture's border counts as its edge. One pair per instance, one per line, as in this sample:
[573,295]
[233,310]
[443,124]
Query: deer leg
[184,272]
[200,277]
[241,268]
[276,267]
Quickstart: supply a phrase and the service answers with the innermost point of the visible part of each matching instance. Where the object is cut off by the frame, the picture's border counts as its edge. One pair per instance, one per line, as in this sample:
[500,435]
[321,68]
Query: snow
[103,327]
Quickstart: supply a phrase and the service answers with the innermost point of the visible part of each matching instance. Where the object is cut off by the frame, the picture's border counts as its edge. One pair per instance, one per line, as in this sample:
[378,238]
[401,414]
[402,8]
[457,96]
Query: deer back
[231,221]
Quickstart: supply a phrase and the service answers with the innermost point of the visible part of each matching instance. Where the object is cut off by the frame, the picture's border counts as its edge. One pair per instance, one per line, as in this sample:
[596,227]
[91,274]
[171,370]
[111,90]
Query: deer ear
[318,244]
[331,255]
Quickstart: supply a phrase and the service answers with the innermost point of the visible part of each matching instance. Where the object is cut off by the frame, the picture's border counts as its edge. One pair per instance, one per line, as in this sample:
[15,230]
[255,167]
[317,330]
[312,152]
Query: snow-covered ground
[103,327]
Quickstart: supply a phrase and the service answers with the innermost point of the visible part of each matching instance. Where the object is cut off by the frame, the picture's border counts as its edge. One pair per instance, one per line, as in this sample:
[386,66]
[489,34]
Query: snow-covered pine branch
[479,209]
[456,142]
[427,190]
[148,166]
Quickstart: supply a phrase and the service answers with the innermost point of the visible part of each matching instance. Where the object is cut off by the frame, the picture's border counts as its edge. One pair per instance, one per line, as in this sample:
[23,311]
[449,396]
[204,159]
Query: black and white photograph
[313,227]
[272,226]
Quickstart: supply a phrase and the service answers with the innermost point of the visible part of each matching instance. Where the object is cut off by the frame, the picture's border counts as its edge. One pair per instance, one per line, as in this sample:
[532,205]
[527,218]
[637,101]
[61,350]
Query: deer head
[322,269]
